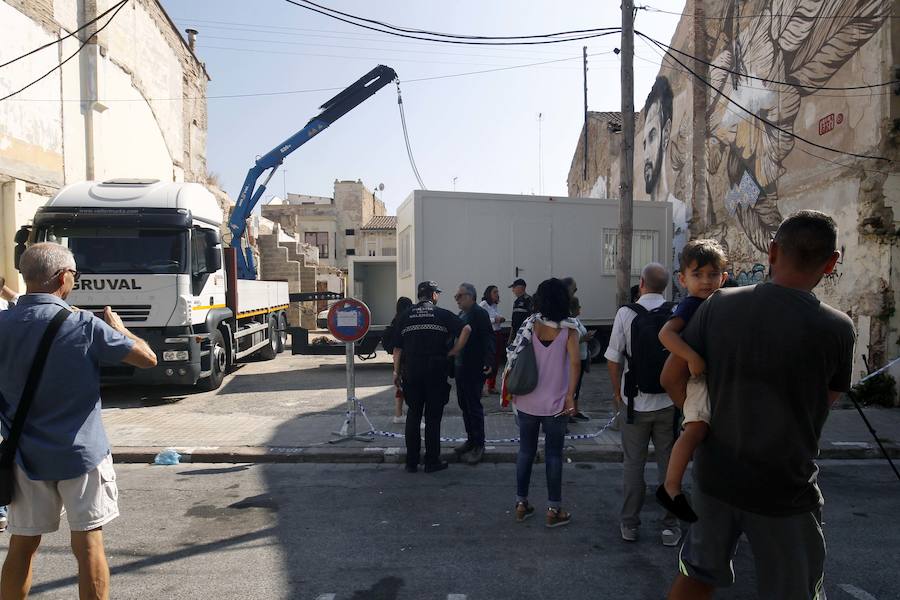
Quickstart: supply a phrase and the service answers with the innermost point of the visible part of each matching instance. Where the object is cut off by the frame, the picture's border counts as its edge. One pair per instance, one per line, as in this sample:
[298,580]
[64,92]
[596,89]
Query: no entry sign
[349,320]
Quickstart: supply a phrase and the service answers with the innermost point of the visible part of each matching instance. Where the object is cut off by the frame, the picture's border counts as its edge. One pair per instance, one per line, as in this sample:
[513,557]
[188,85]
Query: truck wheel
[218,362]
[270,350]
[281,323]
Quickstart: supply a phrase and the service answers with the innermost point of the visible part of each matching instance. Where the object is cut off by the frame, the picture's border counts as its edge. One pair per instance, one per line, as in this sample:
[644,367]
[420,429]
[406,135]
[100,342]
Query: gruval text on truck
[152,251]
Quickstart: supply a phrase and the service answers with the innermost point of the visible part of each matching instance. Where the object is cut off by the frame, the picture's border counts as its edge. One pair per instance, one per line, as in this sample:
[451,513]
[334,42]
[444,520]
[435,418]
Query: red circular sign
[349,320]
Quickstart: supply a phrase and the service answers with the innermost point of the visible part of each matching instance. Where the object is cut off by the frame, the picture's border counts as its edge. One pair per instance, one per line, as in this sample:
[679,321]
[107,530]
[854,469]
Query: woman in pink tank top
[549,405]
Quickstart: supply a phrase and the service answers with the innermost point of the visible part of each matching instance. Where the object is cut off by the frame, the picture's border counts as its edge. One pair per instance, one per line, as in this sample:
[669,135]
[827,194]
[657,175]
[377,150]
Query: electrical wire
[779,15]
[364,36]
[73,55]
[775,81]
[345,57]
[670,67]
[412,161]
[770,123]
[327,89]
[452,35]
[469,39]
[58,40]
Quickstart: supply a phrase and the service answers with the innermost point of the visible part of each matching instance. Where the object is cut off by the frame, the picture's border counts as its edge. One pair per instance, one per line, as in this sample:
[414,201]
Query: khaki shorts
[696,402]
[89,501]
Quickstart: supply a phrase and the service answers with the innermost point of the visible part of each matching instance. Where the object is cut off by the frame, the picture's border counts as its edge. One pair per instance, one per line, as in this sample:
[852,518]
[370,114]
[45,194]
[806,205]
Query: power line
[403,50]
[452,35]
[73,55]
[327,89]
[775,81]
[345,35]
[664,65]
[604,32]
[288,53]
[766,121]
[762,15]
[58,40]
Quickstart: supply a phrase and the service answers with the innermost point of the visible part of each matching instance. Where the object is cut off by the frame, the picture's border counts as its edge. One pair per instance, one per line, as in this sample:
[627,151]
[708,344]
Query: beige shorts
[89,501]
[696,402]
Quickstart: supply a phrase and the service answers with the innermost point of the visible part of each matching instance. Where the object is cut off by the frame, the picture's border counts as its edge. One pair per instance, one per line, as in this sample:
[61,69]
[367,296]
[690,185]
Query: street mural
[798,41]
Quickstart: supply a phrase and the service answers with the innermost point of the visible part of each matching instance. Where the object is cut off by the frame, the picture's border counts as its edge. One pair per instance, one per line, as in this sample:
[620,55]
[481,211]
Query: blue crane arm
[355,94]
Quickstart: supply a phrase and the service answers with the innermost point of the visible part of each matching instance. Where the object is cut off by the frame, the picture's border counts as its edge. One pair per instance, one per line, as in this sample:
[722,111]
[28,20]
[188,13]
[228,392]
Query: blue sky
[481,129]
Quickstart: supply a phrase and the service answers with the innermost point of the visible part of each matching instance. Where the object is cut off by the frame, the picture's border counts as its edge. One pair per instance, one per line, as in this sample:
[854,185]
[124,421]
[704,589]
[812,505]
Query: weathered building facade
[723,144]
[131,103]
[330,224]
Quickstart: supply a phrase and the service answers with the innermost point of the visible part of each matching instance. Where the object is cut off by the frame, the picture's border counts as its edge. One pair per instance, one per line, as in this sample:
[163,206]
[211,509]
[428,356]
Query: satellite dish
[380,187]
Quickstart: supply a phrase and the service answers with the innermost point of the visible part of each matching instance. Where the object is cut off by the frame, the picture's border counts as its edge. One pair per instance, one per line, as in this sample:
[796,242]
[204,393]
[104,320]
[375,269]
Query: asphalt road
[373,532]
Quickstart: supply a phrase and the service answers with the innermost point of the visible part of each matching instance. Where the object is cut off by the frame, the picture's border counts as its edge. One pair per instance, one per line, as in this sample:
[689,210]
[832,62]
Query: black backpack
[648,355]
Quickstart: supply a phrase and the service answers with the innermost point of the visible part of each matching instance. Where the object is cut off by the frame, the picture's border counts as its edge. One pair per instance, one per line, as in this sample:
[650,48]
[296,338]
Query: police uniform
[425,334]
[523,307]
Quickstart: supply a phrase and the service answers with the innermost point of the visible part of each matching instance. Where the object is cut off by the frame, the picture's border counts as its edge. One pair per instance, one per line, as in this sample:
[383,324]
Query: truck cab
[152,251]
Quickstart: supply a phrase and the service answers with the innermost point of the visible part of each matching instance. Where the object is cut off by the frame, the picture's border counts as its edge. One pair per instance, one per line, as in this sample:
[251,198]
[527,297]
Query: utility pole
[626,164]
[540,120]
[584,57]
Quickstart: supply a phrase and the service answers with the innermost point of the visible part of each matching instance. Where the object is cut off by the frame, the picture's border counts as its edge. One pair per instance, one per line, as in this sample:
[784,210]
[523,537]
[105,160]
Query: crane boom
[355,94]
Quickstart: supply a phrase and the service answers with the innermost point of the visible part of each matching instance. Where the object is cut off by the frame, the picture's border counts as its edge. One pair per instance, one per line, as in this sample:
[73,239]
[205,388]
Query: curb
[394,455]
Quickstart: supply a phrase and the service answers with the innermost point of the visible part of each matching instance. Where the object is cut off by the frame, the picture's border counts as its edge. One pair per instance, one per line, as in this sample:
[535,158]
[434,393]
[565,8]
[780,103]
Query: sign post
[349,321]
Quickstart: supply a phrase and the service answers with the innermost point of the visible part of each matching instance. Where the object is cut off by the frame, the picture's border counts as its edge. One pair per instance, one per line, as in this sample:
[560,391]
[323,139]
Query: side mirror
[213,259]
[21,238]
[212,237]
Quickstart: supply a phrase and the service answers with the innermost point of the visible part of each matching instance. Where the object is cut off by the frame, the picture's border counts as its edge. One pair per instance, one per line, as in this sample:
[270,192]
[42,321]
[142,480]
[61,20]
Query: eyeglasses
[75,274]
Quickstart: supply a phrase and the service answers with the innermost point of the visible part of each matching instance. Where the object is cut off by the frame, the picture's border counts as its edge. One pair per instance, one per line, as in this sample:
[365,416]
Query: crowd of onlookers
[746,405]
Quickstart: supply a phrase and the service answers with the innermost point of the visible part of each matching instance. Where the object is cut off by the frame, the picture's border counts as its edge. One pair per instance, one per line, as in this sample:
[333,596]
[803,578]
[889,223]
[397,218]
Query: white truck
[153,252]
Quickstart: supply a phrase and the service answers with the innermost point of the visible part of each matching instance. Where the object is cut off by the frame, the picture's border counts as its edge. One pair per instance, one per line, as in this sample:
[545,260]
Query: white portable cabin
[493,239]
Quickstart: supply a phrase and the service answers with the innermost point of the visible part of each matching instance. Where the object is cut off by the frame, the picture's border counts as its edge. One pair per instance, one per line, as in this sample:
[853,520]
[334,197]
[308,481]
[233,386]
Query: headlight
[174,355]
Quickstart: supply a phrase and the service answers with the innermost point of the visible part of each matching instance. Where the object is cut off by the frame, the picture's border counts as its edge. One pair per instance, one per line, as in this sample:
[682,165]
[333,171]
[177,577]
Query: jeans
[468,393]
[655,425]
[554,437]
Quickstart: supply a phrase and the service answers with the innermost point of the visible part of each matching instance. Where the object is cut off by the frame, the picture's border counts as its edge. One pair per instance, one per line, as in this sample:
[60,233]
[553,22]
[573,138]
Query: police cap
[517,282]
[426,288]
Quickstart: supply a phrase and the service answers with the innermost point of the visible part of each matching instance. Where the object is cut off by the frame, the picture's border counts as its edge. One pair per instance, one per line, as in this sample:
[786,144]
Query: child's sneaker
[557,517]
[523,511]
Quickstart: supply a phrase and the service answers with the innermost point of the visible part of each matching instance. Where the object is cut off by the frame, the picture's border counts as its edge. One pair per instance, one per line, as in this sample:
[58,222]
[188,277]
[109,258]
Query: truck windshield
[121,250]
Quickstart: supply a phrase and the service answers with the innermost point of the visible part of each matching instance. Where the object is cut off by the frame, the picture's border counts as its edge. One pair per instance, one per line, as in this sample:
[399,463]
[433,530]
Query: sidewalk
[286,410]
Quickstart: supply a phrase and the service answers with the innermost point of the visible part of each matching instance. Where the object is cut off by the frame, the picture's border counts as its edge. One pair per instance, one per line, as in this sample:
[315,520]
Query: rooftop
[381,224]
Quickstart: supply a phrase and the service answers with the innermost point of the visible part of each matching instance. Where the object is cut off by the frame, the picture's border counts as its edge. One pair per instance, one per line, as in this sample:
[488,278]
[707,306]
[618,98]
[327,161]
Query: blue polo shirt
[63,437]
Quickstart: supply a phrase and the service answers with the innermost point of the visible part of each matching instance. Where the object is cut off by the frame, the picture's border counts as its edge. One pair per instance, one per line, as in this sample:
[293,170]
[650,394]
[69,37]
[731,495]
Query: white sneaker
[398,420]
[671,536]
[3,524]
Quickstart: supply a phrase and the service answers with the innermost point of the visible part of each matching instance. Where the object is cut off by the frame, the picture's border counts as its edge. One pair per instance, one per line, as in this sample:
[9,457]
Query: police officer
[523,307]
[425,339]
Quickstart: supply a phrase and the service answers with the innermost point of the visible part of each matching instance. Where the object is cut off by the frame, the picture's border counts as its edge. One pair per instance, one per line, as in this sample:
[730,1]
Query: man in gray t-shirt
[777,358]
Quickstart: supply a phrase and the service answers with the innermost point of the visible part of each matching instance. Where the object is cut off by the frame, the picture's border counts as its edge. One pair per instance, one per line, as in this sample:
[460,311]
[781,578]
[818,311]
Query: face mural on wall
[799,41]
[656,135]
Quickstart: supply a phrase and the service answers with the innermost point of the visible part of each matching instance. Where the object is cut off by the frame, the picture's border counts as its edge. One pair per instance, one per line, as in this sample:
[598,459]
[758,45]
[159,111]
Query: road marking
[856,592]
[456,597]
[326,596]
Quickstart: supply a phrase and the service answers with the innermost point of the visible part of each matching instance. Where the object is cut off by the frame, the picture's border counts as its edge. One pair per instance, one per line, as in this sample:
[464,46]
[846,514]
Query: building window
[319,239]
[644,245]
[349,232]
[351,251]
[372,248]
[404,258]
[389,252]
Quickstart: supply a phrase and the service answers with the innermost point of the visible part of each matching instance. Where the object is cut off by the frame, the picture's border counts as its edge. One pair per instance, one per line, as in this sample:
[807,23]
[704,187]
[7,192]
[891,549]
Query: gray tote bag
[523,377]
